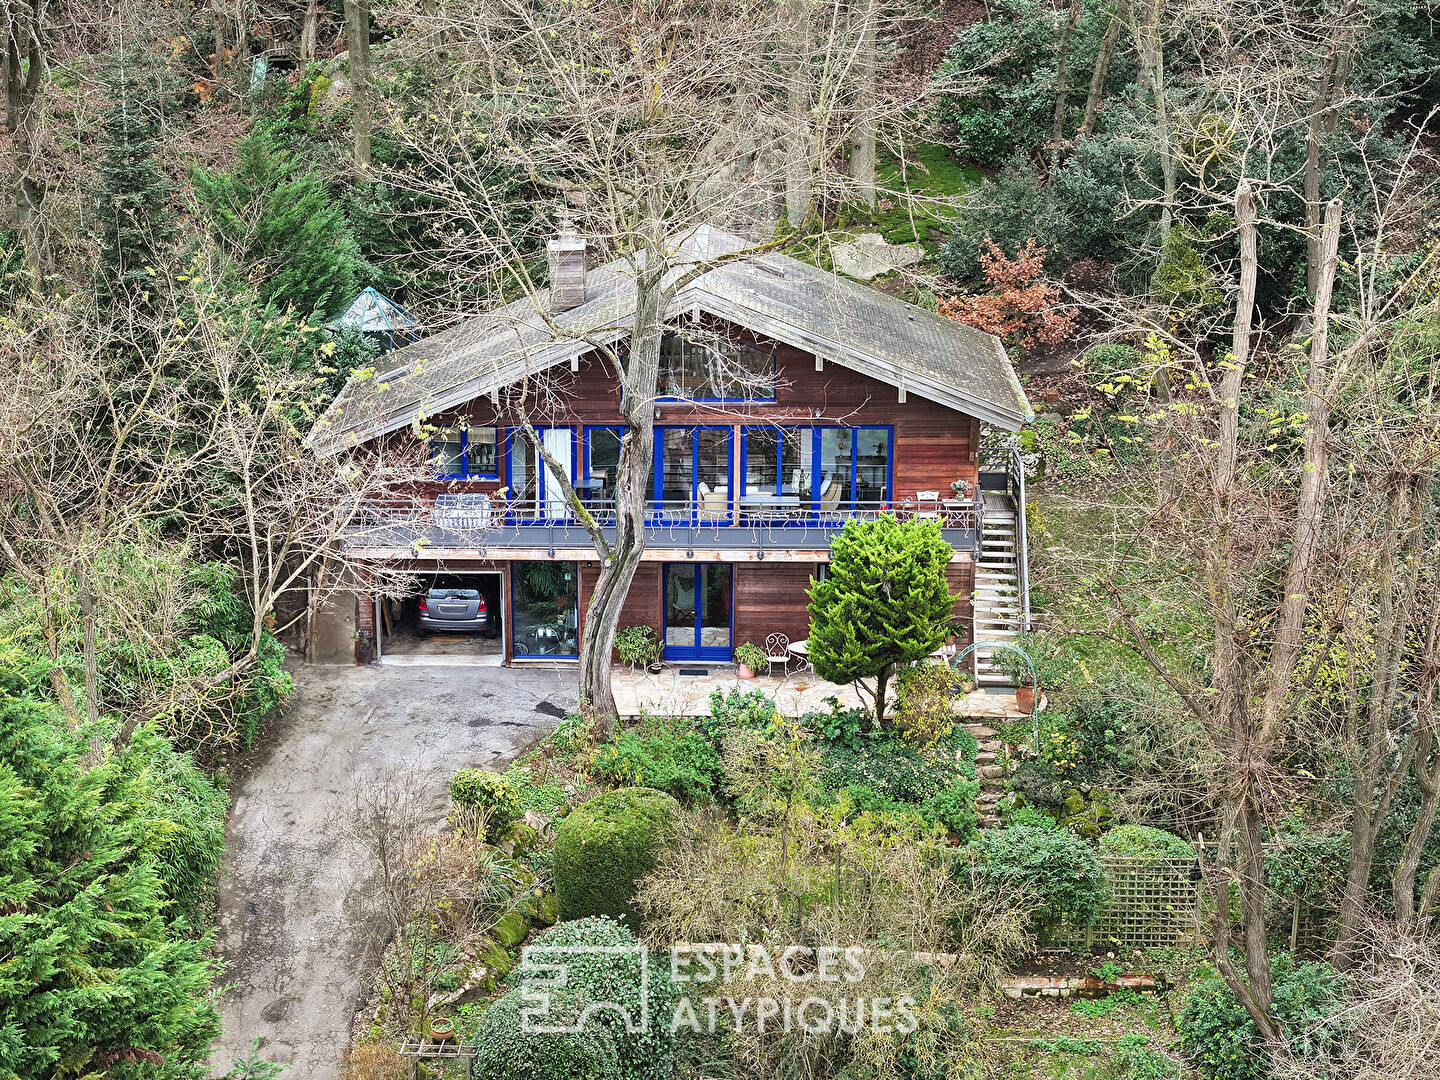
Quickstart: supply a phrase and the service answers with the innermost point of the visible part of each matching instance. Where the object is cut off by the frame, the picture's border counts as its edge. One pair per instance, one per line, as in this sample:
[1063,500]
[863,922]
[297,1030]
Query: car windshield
[441,593]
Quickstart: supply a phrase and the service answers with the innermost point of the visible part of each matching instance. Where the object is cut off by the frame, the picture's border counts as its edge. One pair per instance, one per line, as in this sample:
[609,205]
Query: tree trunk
[1427,774]
[1305,536]
[1328,82]
[882,685]
[1151,47]
[797,135]
[1227,452]
[862,149]
[309,30]
[1062,59]
[25,70]
[637,455]
[357,28]
[1102,68]
[1260,997]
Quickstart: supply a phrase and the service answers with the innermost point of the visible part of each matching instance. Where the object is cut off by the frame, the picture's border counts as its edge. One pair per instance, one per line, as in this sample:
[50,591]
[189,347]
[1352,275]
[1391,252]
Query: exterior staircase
[990,771]
[1000,613]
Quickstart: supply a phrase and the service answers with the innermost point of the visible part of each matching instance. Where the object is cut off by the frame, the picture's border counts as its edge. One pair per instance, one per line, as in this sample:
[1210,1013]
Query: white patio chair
[777,651]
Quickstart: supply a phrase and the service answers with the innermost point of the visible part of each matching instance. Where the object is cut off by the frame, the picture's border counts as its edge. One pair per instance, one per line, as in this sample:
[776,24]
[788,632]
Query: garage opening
[446,619]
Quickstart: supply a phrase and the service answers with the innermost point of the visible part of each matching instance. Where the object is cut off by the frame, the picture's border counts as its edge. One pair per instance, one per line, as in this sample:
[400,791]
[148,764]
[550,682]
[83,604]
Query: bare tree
[357,36]
[170,412]
[627,120]
[27,27]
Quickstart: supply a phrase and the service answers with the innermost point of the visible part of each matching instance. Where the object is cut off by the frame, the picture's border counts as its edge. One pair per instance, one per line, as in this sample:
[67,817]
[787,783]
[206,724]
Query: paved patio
[672,694]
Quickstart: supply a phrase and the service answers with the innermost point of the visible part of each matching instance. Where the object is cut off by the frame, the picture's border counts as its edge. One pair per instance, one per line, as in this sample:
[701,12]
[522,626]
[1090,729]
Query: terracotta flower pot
[1025,699]
[440,1028]
[743,672]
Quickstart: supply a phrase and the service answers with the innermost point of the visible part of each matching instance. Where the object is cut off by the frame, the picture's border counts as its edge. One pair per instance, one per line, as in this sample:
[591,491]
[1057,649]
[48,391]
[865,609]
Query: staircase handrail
[1022,547]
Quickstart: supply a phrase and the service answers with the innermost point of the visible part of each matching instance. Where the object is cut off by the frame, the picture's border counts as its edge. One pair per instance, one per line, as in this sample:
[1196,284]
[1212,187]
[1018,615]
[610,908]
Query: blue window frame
[693,479]
[467,453]
[825,470]
[533,499]
[698,611]
[715,369]
[602,459]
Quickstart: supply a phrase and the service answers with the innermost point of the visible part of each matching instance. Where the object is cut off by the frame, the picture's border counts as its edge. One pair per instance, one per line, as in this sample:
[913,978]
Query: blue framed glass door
[698,607]
[535,493]
[692,474]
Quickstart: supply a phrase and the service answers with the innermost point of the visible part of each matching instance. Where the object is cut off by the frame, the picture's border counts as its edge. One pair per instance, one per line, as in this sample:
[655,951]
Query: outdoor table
[801,650]
[770,507]
[957,512]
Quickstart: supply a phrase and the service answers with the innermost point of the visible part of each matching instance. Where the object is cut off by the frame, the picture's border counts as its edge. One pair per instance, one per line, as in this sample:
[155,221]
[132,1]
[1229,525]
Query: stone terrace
[672,694]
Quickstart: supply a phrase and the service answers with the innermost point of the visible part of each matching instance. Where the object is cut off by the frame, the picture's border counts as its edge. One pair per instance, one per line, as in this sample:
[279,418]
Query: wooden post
[1295,922]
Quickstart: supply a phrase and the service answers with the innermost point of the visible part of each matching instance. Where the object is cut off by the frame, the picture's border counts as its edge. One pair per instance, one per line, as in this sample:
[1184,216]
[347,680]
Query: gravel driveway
[296,950]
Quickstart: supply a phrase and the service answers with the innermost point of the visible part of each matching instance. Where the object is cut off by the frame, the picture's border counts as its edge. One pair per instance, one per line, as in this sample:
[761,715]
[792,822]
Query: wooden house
[790,401]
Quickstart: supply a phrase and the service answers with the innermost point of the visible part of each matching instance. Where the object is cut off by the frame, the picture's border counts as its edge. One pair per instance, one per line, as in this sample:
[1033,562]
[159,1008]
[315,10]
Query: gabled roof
[774,296]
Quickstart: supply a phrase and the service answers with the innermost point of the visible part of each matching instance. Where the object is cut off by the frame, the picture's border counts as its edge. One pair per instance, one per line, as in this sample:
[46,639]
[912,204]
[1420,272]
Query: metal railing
[1022,543]
[1006,460]
[475,521]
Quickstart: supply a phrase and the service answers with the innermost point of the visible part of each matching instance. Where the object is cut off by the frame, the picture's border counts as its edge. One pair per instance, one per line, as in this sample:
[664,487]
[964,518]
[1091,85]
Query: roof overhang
[532,361]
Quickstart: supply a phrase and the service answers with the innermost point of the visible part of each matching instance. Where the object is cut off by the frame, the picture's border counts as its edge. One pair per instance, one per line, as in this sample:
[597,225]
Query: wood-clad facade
[925,446]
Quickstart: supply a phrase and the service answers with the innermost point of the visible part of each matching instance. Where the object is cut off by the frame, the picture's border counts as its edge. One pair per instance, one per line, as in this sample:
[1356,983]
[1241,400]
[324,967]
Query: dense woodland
[1207,234]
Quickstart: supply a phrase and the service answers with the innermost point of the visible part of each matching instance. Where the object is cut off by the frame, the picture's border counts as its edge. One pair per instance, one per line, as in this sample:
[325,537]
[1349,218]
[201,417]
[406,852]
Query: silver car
[455,606]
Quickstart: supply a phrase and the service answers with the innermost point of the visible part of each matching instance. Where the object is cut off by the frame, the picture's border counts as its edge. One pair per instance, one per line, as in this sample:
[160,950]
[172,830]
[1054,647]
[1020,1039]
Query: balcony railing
[473,521]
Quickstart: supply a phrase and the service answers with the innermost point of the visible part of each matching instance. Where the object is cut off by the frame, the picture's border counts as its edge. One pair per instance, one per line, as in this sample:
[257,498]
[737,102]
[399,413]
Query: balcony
[474,526]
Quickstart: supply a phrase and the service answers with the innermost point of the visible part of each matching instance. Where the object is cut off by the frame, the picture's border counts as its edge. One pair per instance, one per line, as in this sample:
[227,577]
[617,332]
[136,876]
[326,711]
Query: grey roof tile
[776,296]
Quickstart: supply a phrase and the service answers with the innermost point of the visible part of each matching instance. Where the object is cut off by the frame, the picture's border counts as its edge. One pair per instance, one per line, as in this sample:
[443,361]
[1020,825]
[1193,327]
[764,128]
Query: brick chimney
[567,268]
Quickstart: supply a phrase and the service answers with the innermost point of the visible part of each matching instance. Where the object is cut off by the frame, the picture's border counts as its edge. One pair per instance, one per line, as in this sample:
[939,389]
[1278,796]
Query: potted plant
[440,1028]
[639,646]
[1031,665]
[962,488]
[749,658]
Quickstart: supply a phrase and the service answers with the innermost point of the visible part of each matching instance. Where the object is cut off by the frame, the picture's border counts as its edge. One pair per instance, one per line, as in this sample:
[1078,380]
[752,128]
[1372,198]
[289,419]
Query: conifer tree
[94,979]
[884,602]
[132,199]
[276,215]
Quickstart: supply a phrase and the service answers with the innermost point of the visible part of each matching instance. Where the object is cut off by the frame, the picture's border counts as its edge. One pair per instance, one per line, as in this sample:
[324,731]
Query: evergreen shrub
[605,846]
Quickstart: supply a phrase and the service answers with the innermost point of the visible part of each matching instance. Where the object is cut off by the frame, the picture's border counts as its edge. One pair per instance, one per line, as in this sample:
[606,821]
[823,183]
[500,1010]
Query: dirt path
[288,927]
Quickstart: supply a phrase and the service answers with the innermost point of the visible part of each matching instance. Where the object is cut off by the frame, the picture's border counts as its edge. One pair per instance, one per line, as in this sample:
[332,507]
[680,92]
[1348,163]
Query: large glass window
[693,466]
[709,367]
[602,463]
[535,492]
[677,467]
[778,461]
[872,466]
[833,466]
[469,453]
[546,599]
